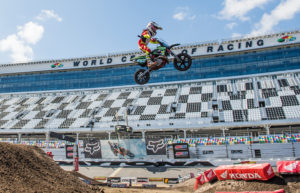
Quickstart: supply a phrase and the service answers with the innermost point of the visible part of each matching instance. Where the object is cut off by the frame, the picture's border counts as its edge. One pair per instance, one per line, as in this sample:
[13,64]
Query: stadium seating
[249,99]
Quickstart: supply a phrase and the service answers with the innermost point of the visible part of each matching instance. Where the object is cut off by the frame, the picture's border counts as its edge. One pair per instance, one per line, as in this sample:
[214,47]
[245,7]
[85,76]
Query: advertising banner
[245,172]
[156,179]
[156,147]
[209,175]
[181,150]
[200,179]
[113,180]
[142,180]
[92,149]
[276,191]
[288,167]
[100,178]
[120,149]
[119,185]
[171,180]
[128,179]
[70,151]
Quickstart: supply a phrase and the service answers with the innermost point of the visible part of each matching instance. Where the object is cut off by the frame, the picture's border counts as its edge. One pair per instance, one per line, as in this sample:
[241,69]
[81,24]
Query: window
[236,151]
[257,153]
[207,152]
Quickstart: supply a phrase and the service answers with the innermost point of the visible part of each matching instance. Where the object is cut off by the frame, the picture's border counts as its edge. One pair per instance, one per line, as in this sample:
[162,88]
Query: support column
[267,127]
[109,135]
[19,137]
[184,133]
[143,134]
[77,138]
[47,134]
[223,130]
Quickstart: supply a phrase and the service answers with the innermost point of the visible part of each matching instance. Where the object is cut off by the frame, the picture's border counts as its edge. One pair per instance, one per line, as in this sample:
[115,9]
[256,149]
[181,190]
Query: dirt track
[28,169]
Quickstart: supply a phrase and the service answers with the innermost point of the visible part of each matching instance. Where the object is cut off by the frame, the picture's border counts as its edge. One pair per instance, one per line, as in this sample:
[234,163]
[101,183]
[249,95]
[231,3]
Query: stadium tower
[239,100]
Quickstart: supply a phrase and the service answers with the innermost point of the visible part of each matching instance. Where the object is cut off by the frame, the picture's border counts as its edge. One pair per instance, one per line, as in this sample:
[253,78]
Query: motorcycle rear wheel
[140,77]
[184,63]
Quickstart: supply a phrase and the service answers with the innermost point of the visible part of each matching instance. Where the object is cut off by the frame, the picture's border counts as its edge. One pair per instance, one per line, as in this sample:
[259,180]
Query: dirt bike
[182,61]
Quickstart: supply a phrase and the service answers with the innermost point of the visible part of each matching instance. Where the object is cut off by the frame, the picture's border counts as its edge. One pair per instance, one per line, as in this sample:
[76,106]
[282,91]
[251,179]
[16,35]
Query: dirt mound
[28,169]
[291,184]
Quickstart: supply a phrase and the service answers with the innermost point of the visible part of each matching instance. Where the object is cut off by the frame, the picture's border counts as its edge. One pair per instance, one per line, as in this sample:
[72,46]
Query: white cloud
[48,14]
[236,35]
[31,32]
[239,8]
[19,52]
[19,44]
[286,10]
[183,13]
[231,25]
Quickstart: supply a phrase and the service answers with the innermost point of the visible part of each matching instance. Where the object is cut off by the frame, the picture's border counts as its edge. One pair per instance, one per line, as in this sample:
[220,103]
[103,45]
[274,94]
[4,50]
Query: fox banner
[156,147]
[92,149]
[288,167]
[127,149]
[262,171]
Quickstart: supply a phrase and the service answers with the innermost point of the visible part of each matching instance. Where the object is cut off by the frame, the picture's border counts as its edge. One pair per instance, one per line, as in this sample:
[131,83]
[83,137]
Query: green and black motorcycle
[182,61]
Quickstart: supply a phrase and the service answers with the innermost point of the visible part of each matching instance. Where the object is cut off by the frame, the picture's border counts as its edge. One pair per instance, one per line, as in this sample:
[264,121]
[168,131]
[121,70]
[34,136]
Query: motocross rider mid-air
[146,37]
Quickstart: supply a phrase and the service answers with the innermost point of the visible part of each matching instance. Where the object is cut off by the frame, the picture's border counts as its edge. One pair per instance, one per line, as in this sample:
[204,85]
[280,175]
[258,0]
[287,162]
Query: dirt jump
[29,169]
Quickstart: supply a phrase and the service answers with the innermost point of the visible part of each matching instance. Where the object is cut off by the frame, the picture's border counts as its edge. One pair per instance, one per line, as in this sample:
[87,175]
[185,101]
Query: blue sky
[35,30]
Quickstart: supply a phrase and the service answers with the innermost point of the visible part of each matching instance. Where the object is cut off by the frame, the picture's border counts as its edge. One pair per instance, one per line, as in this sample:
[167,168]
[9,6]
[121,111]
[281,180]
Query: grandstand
[240,100]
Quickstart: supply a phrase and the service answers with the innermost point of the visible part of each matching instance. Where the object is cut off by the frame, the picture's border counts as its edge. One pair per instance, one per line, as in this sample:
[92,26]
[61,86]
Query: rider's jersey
[146,37]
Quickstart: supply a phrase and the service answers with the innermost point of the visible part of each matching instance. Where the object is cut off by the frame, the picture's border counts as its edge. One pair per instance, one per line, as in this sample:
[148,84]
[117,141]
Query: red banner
[209,175]
[276,191]
[288,167]
[200,180]
[245,172]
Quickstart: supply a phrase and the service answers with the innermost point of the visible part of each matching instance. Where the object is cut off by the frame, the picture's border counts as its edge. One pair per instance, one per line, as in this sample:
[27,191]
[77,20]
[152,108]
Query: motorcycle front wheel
[184,63]
[141,77]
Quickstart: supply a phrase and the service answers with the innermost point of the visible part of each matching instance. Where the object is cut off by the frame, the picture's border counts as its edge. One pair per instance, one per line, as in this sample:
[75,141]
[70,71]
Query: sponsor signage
[142,180]
[213,47]
[181,150]
[288,167]
[209,175]
[171,180]
[128,179]
[92,149]
[119,185]
[149,185]
[200,179]
[100,178]
[70,151]
[156,147]
[113,180]
[156,179]
[275,191]
[245,172]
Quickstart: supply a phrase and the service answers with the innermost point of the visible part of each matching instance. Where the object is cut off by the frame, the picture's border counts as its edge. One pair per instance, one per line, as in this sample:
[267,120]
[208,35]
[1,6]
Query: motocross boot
[150,61]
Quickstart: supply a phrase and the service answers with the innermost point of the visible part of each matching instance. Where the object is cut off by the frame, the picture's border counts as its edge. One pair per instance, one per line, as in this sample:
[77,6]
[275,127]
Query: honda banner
[288,167]
[209,175]
[262,171]
[200,179]
[276,191]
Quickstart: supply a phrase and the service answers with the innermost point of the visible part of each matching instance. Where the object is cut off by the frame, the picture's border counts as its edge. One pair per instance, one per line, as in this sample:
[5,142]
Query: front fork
[175,56]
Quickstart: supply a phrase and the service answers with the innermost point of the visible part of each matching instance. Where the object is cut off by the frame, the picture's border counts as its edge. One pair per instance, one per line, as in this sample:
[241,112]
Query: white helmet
[152,27]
